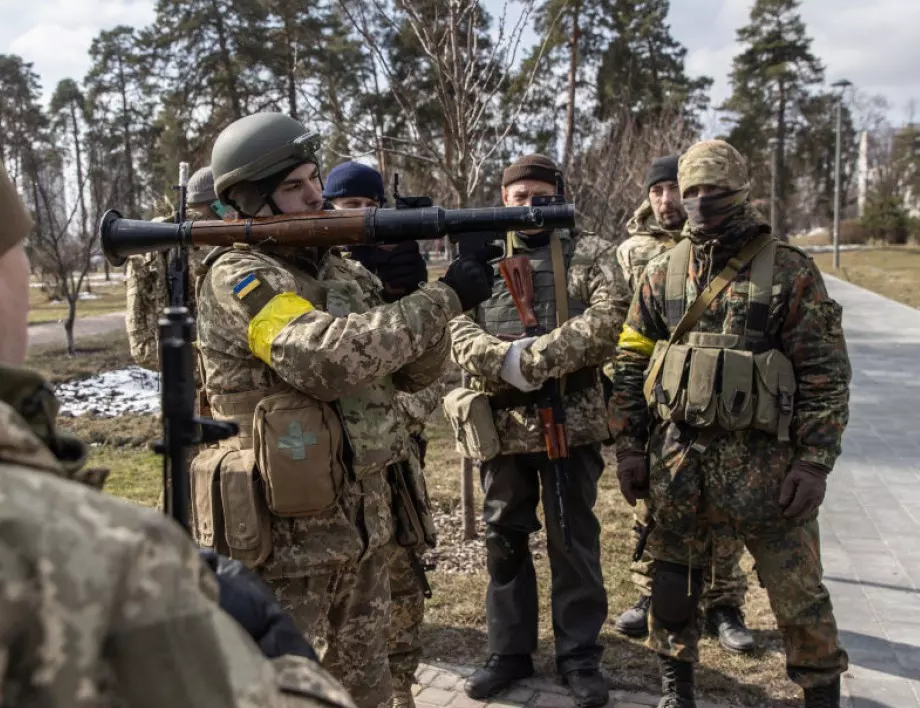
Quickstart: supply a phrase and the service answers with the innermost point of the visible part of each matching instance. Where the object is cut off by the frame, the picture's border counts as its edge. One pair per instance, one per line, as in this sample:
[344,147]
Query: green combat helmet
[253,149]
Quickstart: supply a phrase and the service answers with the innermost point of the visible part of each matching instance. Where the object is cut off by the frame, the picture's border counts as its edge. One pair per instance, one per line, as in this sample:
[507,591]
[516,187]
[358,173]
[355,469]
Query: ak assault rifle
[182,429]
[122,238]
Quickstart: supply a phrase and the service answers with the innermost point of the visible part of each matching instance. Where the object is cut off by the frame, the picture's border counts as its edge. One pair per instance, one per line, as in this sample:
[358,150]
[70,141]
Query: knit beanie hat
[352,179]
[662,169]
[538,167]
[200,188]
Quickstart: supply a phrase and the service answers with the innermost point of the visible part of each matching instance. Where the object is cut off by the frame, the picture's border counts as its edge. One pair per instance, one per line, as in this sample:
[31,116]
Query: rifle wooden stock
[121,238]
[518,276]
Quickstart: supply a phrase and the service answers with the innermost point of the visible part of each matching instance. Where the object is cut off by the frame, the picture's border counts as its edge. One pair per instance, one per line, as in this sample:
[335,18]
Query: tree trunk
[573,77]
[79,160]
[126,128]
[225,59]
[69,322]
[781,162]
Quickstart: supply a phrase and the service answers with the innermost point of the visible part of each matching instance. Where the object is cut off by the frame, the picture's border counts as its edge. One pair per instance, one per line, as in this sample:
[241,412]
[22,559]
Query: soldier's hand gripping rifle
[346,227]
[182,429]
[518,276]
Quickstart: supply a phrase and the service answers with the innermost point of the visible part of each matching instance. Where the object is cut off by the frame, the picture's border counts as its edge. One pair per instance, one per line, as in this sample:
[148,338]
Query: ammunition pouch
[228,510]
[470,416]
[724,382]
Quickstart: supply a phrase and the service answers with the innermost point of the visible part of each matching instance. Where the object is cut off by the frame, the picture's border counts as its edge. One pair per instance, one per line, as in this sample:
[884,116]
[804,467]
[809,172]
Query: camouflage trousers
[345,614]
[407,610]
[724,583]
[788,562]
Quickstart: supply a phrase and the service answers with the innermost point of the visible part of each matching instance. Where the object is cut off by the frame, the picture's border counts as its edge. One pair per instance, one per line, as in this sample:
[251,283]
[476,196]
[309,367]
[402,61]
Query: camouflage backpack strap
[675,290]
[761,290]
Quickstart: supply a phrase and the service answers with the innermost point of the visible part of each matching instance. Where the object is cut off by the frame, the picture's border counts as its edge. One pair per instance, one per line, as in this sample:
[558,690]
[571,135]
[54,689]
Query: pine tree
[770,80]
[641,69]
[68,108]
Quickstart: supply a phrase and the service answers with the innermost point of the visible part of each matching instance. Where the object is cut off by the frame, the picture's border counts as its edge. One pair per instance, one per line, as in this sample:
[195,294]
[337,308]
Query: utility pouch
[775,393]
[736,396]
[470,416]
[700,411]
[204,480]
[299,445]
[670,392]
[247,525]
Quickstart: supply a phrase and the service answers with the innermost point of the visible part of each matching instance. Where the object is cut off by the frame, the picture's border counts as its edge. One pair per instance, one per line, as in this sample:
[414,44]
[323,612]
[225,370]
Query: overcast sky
[873,44]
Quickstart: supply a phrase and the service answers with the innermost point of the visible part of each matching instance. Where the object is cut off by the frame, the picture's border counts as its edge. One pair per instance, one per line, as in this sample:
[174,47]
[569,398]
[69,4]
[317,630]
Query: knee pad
[672,607]
[505,554]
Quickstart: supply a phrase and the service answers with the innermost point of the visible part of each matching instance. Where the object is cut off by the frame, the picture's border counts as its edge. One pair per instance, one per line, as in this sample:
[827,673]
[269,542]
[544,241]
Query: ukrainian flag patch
[246,286]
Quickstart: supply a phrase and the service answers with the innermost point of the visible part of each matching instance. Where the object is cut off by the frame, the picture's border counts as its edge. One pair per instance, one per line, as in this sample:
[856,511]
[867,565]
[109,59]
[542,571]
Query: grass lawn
[94,355]
[111,298]
[892,272]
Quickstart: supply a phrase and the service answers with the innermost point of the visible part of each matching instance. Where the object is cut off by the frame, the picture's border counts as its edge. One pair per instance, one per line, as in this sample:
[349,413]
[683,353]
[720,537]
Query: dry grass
[94,355]
[892,272]
[135,474]
[455,627]
[41,309]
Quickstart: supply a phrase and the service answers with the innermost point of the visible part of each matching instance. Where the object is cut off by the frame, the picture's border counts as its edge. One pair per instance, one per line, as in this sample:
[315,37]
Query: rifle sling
[704,300]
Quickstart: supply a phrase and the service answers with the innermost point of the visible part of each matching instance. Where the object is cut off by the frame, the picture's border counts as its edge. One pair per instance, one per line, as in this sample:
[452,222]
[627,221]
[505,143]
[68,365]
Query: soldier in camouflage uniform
[511,372]
[299,347]
[767,361]
[103,603]
[655,228]
[146,275]
[352,185]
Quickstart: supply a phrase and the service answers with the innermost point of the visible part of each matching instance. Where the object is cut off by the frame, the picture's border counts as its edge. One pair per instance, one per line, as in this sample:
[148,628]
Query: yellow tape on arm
[635,342]
[280,311]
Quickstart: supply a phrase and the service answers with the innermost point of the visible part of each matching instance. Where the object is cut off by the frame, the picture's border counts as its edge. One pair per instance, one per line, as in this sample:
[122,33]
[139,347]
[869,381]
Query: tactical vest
[724,381]
[498,314]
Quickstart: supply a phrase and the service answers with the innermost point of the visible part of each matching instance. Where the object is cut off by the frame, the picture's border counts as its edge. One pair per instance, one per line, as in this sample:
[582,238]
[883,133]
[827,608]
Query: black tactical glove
[632,471]
[803,489]
[250,602]
[471,277]
[400,268]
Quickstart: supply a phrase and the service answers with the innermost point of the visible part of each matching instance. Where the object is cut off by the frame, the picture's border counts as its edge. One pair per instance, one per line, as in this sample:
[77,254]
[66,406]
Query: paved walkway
[870,522]
[870,527]
[53,332]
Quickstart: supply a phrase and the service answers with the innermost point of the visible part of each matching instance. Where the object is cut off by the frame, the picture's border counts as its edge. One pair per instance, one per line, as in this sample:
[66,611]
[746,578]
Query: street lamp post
[841,87]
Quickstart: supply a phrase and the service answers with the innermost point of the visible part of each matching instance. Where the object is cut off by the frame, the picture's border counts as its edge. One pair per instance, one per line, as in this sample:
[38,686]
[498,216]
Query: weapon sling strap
[559,282]
[677,277]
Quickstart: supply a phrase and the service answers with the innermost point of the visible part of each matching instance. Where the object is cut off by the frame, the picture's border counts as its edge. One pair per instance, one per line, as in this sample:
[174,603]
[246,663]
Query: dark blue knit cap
[352,179]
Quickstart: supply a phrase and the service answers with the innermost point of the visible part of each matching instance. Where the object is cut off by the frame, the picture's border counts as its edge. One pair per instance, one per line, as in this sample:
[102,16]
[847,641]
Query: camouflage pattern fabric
[75,568]
[586,340]
[345,614]
[146,282]
[732,487]
[724,583]
[788,563]
[416,408]
[358,358]
[646,240]
[407,611]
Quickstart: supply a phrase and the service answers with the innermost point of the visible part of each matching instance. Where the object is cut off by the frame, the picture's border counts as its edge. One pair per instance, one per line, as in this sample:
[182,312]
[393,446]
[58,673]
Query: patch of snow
[89,296]
[113,393]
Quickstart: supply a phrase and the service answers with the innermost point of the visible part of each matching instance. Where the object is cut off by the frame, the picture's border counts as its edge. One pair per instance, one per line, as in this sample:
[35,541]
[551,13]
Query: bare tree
[608,176]
[63,256]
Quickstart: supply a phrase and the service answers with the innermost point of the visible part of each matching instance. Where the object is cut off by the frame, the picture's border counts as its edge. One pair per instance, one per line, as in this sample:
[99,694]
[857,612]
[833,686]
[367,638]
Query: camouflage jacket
[646,240]
[584,341]
[146,283]
[743,470]
[89,584]
[340,343]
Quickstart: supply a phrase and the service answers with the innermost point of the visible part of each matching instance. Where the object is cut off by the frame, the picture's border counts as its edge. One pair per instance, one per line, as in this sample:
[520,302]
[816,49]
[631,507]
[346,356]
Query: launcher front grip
[121,238]
[518,276]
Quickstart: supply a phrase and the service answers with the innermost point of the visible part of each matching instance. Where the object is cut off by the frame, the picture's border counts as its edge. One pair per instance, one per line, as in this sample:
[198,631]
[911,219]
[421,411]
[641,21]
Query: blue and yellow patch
[246,286]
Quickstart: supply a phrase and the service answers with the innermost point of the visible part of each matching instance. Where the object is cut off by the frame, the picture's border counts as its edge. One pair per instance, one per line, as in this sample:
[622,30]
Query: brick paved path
[870,526]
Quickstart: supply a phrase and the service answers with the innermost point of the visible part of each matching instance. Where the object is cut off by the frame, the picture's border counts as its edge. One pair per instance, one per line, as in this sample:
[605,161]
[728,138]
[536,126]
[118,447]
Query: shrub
[887,220]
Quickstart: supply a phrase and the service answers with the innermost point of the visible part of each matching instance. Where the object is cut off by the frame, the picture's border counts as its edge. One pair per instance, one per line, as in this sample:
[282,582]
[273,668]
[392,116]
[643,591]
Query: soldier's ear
[504,195]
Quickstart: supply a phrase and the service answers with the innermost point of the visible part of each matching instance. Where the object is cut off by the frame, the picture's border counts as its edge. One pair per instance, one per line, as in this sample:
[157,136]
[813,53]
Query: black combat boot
[827,696]
[498,673]
[634,622]
[676,683]
[588,686]
[727,623]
